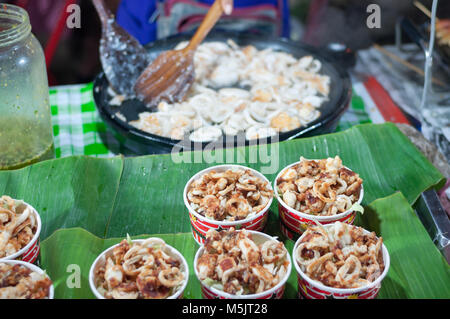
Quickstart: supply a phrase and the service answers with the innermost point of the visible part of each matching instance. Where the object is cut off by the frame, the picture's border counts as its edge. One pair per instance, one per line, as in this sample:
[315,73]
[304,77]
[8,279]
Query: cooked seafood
[340,256]
[145,270]
[319,187]
[18,225]
[20,282]
[231,195]
[234,263]
[281,93]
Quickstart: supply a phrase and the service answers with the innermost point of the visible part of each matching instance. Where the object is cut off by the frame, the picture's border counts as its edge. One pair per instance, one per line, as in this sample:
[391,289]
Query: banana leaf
[384,157]
[113,197]
[68,192]
[417,270]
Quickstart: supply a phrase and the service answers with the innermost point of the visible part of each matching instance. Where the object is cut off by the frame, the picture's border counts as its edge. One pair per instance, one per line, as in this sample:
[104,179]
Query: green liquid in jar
[23,143]
[25,117]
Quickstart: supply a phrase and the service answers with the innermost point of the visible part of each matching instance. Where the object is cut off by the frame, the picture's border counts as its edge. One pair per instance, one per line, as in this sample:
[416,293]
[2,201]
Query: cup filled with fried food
[22,280]
[322,190]
[242,264]
[227,196]
[340,261]
[139,269]
[20,227]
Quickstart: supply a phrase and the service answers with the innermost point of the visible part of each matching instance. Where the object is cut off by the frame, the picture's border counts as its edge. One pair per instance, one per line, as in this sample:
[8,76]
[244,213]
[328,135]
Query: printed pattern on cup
[32,253]
[209,294]
[292,225]
[309,291]
[201,226]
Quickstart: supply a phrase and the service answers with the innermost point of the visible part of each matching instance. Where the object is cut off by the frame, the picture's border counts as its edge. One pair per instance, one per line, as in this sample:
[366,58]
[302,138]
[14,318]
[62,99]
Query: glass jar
[26,133]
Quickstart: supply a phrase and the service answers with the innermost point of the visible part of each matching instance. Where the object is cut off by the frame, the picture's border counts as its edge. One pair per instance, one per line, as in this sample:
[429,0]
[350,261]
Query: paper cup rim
[225,223]
[221,293]
[310,216]
[34,268]
[103,253]
[321,286]
[32,241]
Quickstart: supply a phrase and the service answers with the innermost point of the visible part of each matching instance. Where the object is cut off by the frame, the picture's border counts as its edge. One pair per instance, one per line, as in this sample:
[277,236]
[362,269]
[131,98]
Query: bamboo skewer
[406,64]
[441,30]
[424,9]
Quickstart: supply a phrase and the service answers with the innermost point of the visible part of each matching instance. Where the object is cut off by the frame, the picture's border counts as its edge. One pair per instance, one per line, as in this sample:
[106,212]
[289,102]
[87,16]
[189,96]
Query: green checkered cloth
[79,130]
[77,126]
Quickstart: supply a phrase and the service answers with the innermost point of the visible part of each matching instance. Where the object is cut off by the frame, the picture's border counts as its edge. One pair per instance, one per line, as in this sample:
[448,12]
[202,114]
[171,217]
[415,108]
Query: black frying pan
[141,143]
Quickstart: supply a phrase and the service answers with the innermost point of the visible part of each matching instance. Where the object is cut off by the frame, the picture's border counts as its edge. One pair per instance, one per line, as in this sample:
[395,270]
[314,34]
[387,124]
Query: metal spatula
[123,58]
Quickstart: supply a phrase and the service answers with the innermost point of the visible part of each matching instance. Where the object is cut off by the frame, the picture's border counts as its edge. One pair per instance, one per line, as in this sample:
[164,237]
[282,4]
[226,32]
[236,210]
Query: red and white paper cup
[275,292]
[101,260]
[313,289]
[32,267]
[293,222]
[30,252]
[201,224]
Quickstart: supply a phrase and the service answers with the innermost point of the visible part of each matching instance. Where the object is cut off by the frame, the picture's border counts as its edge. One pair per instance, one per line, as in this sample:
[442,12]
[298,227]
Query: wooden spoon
[123,57]
[170,76]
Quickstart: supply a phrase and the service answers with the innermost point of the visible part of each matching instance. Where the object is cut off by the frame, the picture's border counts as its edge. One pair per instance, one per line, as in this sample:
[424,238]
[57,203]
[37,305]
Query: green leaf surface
[417,268]
[68,192]
[115,196]
[384,157]
[94,199]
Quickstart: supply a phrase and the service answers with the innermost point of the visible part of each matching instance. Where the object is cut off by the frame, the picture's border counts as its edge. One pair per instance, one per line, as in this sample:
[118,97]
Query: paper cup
[201,224]
[312,289]
[108,252]
[30,252]
[293,223]
[33,268]
[274,293]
